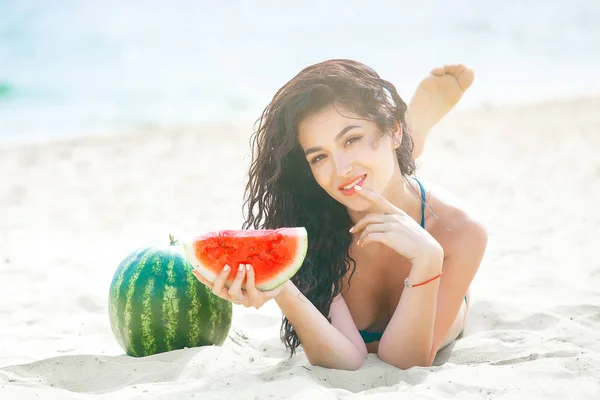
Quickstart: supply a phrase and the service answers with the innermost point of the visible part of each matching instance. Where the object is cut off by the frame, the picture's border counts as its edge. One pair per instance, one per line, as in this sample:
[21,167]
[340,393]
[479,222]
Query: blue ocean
[71,68]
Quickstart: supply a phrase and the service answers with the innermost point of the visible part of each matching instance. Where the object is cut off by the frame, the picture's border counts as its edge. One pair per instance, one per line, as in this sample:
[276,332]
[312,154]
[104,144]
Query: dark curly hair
[281,190]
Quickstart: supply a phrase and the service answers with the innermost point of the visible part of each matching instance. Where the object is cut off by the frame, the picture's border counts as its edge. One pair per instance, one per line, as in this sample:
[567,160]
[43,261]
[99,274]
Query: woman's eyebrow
[337,137]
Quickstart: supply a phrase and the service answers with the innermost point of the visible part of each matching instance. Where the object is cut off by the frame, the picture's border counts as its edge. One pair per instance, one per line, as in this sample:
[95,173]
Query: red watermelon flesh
[275,254]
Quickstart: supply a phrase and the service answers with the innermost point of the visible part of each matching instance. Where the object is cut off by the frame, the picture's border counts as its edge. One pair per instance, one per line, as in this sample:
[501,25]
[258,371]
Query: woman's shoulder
[449,218]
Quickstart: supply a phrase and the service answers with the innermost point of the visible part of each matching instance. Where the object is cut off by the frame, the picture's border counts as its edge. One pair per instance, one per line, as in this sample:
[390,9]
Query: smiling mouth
[349,187]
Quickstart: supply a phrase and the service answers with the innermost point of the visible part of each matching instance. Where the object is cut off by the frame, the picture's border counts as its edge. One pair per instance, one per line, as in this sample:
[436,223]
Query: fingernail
[241,267]
[226,268]
[357,188]
[351,229]
[247,267]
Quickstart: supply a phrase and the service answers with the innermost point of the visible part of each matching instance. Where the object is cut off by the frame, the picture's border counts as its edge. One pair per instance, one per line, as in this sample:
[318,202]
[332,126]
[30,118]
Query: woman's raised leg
[435,96]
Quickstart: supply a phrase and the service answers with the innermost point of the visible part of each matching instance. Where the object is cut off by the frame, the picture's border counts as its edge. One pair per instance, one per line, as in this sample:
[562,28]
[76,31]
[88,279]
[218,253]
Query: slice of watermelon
[275,254]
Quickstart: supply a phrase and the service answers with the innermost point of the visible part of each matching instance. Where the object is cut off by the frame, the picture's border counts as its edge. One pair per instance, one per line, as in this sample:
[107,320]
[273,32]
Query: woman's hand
[395,229]
[248,297]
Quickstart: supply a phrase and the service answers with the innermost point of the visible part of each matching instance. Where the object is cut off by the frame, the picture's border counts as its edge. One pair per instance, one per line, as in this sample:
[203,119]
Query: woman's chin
[357,204]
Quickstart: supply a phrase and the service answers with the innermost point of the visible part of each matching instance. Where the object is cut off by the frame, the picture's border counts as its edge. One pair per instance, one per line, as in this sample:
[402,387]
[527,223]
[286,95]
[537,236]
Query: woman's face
[343,151]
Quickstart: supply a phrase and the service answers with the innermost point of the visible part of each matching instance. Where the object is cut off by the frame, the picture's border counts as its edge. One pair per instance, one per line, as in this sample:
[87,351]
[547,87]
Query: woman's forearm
[408,338]
[323,344]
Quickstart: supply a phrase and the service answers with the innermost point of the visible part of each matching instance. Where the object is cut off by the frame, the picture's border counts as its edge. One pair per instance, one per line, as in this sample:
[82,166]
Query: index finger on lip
[375,198]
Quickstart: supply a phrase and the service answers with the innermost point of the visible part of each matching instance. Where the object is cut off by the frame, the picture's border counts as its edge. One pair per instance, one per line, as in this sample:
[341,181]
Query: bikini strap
[422,202]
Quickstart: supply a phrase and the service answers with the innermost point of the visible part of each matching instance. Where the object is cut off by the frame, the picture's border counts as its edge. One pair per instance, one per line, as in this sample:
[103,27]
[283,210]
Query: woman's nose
[343,166]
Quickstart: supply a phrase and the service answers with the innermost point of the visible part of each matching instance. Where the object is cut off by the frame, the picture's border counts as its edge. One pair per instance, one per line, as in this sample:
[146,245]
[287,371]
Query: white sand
[70,211]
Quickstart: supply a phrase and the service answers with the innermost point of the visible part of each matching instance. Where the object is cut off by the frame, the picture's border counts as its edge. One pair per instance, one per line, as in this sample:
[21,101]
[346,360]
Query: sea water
[72,67]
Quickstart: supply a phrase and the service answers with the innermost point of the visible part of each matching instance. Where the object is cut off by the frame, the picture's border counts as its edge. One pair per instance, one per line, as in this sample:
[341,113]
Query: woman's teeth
[350,186]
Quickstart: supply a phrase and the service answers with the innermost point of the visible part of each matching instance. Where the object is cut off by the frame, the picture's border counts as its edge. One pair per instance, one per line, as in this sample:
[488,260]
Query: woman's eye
[347,143]
[317,159]
[352,140]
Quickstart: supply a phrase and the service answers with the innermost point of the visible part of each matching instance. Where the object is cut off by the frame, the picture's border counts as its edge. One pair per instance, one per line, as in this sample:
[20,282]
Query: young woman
[333,153]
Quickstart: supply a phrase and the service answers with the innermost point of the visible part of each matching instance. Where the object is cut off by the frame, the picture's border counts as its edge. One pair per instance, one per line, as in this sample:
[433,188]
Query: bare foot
[435,96]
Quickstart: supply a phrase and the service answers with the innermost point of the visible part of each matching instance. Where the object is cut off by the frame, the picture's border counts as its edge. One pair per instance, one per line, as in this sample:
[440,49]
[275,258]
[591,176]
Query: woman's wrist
[423,272]
[287,288]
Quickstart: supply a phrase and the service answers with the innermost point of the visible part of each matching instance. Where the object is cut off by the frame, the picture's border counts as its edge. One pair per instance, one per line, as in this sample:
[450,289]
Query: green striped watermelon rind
[140,270]
[287,272]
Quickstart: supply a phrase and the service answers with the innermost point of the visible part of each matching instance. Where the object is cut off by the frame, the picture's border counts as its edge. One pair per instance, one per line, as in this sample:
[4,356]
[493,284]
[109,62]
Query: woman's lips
[351,191]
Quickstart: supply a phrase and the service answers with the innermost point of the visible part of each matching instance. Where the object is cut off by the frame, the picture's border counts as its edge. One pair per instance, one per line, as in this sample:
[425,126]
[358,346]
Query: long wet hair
[281,190]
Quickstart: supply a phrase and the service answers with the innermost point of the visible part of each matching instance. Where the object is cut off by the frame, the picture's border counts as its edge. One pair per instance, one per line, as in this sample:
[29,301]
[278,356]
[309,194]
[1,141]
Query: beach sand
[71,210]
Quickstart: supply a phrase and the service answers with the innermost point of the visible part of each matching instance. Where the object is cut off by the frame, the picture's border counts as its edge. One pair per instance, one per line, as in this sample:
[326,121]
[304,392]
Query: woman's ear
[397,136]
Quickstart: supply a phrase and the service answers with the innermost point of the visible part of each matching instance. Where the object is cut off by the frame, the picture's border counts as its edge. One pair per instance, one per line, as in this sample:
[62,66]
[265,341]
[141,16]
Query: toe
[465,78]
[439,71]
[454,69]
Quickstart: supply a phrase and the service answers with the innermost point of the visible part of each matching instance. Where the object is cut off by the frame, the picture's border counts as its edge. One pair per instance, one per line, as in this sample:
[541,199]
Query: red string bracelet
[408,285]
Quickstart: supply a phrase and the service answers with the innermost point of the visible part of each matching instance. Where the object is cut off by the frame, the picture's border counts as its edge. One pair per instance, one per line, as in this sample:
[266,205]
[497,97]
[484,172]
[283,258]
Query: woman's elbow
[404,363]
[350,362]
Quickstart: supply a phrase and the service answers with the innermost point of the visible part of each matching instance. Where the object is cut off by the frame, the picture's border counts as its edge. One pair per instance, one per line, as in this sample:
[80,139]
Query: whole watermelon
[156,304]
